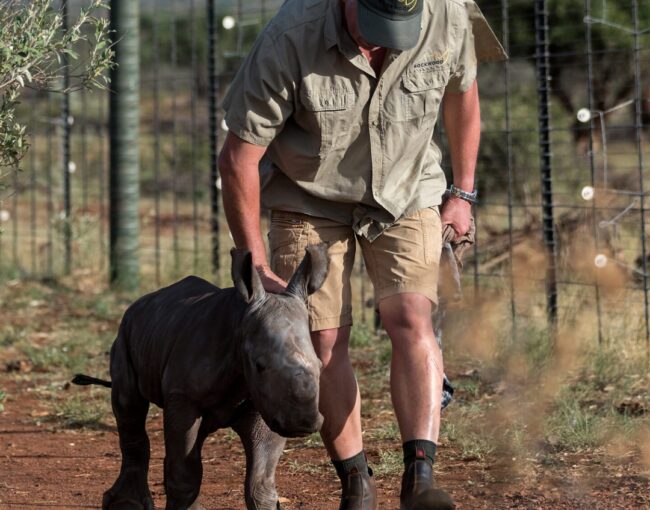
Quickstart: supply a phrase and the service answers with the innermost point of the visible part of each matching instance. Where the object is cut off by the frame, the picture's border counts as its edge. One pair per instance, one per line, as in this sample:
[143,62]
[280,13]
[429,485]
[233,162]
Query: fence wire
[570,107]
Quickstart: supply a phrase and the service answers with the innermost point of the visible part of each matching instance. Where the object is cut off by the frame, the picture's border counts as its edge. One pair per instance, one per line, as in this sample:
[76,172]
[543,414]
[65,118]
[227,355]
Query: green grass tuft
[390,463]
[81,411]
[463,427]
[362,335]
[573,428]
[9,335]
[387,431]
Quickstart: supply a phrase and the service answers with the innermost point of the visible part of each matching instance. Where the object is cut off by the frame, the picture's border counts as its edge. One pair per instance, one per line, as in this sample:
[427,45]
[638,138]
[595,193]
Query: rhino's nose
[303,386]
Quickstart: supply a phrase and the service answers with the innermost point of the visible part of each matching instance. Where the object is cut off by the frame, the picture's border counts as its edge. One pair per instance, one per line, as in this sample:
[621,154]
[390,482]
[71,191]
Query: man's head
[392,24]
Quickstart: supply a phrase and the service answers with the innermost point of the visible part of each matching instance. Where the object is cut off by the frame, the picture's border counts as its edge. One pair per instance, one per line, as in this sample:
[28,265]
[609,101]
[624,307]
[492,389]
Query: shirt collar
[335,32]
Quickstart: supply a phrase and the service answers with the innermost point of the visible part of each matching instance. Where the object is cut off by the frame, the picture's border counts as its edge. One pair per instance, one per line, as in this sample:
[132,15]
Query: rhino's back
[178,302]
[176,325]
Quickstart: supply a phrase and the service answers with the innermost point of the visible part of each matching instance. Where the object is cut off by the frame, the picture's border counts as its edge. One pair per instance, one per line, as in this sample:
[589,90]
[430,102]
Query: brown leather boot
[359,492]
[418,492]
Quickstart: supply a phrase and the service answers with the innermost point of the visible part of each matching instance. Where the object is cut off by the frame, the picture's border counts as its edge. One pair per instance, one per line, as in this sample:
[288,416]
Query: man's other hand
[457,213]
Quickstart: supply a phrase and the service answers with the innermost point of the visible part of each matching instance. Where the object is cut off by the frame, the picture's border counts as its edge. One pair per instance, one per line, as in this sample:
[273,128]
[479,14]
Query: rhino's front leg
[183,441]
[263,449]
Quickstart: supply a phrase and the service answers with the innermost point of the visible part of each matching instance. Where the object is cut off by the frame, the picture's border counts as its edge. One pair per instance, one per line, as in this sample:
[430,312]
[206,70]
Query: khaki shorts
[404,258]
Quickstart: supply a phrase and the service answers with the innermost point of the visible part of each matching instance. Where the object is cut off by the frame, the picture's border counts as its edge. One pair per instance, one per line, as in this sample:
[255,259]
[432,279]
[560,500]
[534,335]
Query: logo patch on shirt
[432,60]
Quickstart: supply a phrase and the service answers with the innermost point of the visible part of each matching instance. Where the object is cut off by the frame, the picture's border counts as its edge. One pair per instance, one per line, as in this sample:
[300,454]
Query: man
[331,120]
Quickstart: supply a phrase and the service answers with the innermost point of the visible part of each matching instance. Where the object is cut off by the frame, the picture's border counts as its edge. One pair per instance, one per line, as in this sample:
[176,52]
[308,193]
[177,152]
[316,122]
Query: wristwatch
[463,195]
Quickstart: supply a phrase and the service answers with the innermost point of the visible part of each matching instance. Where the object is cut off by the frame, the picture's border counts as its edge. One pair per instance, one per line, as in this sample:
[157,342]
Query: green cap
[392,24]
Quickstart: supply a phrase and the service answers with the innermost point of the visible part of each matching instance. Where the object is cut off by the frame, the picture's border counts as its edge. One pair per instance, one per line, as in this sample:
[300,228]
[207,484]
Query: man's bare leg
[340,405]
[416,367]
[416,390]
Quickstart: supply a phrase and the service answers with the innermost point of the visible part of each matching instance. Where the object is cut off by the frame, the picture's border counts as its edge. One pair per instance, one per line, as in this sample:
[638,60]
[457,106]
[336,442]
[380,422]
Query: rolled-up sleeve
[476,43]
[261,97]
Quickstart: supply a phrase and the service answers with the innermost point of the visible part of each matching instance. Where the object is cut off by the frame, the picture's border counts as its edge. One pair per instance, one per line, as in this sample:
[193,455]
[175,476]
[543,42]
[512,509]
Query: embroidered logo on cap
[409,4]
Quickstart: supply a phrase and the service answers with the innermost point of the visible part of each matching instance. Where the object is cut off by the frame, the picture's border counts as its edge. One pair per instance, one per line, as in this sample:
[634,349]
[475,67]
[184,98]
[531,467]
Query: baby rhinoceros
[213,358]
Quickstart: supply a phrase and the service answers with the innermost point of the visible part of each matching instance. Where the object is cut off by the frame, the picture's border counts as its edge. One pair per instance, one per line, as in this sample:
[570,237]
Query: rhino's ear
[245,277]
[311,272]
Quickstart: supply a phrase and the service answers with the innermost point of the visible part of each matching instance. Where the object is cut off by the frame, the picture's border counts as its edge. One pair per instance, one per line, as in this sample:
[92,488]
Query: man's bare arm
[462,118]
[239,169]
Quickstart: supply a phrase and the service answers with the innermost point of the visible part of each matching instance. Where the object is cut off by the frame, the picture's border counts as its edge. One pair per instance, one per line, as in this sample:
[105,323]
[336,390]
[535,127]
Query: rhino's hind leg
[263,449]
[184,438]
[130,490]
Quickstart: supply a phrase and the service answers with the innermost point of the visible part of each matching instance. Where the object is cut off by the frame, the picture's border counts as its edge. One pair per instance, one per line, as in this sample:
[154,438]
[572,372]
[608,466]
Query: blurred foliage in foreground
[34,50]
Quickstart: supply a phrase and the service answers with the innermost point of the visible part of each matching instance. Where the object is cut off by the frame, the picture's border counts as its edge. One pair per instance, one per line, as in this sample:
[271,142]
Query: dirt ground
[44,466]
[45,462]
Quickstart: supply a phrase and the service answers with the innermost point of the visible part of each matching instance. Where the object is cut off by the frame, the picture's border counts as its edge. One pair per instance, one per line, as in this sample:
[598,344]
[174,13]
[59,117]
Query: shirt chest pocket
[418,95]
[329,115]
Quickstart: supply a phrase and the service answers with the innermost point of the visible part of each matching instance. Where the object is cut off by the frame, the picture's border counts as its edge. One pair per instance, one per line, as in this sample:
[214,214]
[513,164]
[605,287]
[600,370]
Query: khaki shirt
[344,143]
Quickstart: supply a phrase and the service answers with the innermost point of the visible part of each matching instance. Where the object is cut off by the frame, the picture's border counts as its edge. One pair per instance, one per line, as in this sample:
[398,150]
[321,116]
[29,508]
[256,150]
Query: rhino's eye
[260,367]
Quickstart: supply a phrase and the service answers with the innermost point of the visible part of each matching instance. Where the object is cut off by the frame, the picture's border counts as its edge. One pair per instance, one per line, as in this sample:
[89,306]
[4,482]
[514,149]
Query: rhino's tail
[85,380]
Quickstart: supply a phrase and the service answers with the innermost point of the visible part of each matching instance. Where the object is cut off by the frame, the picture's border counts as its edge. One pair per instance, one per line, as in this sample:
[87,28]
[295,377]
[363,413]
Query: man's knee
[408,313]
[331,345]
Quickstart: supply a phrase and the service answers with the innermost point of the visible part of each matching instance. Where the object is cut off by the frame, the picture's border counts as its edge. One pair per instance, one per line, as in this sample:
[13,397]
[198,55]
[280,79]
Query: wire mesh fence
[562,171]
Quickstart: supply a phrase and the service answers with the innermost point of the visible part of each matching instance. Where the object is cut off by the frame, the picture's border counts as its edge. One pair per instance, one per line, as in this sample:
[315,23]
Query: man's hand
[271,281]
[457,213]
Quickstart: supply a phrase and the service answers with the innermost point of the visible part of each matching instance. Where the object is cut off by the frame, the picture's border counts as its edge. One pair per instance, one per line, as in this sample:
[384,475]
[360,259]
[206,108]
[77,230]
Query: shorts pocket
[286,233]
[285,230]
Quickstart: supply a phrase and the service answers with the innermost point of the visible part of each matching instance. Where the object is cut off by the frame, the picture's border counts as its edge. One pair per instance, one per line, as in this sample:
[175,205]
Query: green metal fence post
[546,156]
[124,146]
[213,83]
[66,121]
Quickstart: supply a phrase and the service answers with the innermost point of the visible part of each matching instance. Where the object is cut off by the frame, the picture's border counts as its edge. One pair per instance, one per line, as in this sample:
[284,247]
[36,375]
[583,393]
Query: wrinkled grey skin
[213,358]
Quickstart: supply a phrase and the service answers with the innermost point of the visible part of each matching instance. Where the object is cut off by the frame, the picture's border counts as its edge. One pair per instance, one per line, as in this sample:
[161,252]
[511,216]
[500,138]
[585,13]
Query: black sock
[343,467]
[419,449]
